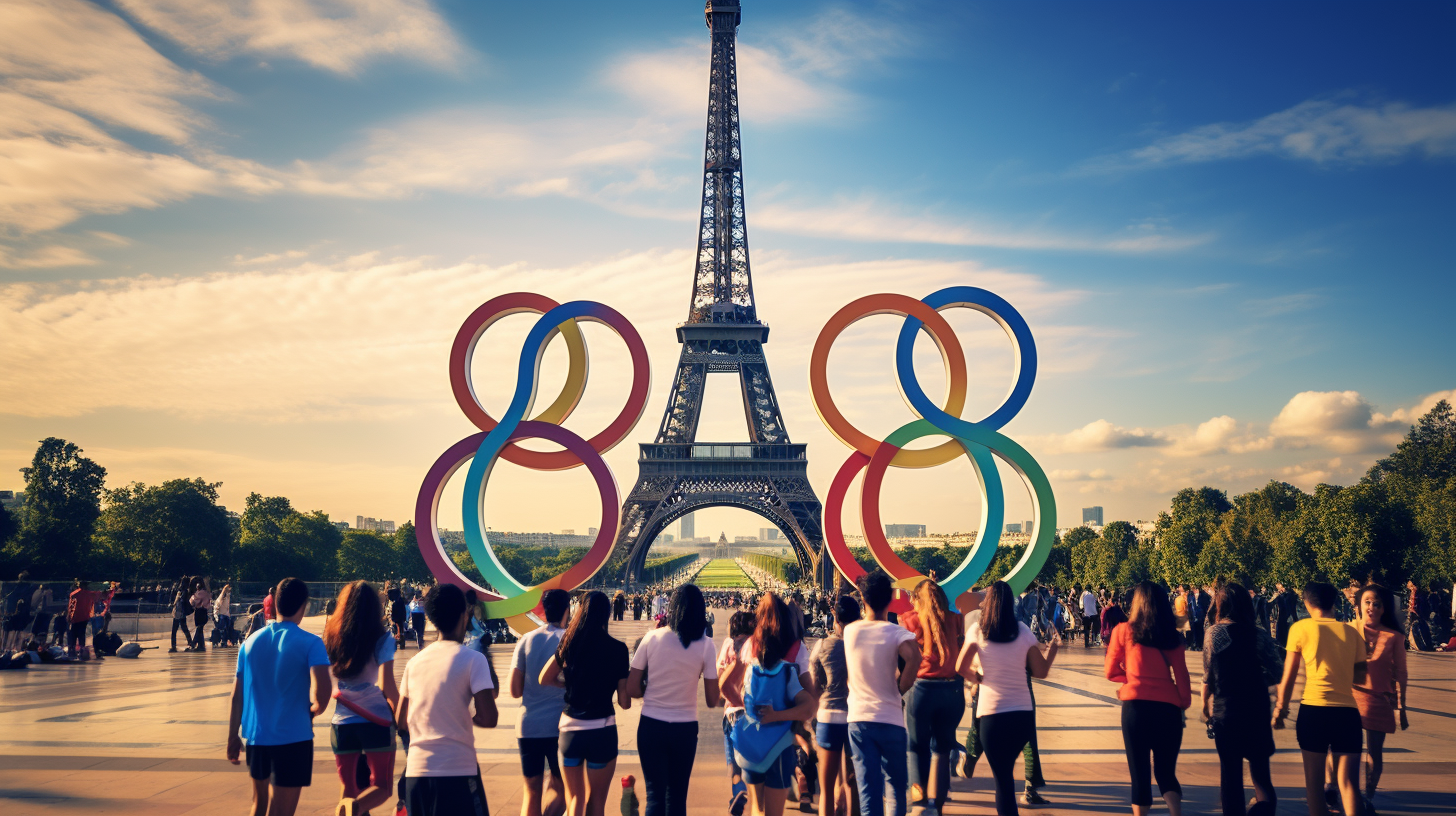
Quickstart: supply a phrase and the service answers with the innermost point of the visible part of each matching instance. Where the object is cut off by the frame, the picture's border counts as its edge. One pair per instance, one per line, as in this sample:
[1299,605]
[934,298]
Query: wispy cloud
[334,36]
[1324,131]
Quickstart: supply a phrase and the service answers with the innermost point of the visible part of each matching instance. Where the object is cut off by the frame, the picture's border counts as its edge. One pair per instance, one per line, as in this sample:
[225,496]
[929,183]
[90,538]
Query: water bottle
[629,796]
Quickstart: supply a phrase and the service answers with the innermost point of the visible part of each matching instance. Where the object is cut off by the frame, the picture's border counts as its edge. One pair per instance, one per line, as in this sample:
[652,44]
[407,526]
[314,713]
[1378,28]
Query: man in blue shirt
[536,730]
[282,684]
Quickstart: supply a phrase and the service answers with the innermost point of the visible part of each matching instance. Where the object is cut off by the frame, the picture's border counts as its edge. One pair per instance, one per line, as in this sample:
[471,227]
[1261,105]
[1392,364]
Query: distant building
[666,537]
[591,532]
[568,532]
[685,527]
[1092,516]
[768,533]
[904,531]
[1028,527]
[11,499]
[374,525]
[722,550]
[342,525]
[1013,528]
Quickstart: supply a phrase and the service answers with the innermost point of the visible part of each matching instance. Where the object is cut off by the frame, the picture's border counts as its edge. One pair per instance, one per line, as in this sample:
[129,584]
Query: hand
[1404,723]
[1056,639]
[973,677]
[234,748]
[768,715]
[1278,722]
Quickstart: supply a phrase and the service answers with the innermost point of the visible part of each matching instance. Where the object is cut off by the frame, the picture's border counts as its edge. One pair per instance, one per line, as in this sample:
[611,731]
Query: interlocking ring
[978,440]
[513,600]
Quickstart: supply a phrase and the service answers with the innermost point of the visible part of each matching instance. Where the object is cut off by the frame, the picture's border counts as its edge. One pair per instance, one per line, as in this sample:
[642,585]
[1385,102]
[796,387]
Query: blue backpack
[756,744]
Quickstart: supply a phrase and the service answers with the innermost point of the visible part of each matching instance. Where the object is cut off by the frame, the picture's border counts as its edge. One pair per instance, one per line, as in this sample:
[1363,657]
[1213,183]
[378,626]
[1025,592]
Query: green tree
[1365,535]
[365,555]
[175,528]
[1083,548]
[62,502]
[1183,532]
[412,565]
[276,541]
[1427,452]
[9,526]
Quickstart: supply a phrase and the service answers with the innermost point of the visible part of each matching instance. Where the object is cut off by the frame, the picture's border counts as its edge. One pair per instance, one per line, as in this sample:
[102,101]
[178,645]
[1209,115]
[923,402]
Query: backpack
[129,650]
[757,745]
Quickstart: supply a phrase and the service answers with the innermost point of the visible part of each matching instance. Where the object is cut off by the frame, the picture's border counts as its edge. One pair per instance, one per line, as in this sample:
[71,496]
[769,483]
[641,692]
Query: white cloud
[1324,131]
[335,35]
[1222,434]
[1401,418]
[1342,421]
[45,257]
[1102,435]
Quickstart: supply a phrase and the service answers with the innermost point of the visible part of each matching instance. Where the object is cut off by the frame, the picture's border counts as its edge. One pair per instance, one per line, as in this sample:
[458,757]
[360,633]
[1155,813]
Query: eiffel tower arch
[677,474]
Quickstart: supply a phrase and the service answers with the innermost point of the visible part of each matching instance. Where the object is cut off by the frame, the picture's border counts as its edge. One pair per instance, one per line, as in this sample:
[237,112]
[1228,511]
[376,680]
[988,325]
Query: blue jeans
[878,750]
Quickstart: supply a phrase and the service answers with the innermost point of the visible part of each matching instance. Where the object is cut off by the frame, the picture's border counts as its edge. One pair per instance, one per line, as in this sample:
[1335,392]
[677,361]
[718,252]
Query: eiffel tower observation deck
[678,474]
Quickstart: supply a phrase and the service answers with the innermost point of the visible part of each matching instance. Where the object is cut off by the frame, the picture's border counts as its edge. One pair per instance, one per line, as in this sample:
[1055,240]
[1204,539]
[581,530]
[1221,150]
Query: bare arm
[387,684]
[401,716]
[1286,687]
[235,721]
[624,693]
[1041,664]
[966,662]
[909,652]
[518,683]
[802,709]
[635,685]
[486,715]
[323,689]
[1361,670]
[711,696]
[551,674]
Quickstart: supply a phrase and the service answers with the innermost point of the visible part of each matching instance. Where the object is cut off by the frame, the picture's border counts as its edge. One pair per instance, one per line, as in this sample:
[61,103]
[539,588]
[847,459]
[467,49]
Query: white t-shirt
[870,649]
[1089,603]
[674,673]
[1004,684]
[440,682]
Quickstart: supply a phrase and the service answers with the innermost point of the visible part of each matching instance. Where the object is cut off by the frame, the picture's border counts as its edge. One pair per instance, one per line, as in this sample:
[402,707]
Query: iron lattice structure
[677,474]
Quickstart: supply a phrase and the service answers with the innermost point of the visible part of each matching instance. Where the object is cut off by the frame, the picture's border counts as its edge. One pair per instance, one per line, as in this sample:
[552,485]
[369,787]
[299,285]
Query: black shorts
[596,747]
[536,753]
[361,738]
[78,630]
[445,796]
[286,766]
[1321,729]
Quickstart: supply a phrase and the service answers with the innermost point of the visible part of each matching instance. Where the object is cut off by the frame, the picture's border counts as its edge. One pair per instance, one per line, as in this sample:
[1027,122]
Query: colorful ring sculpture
[513,600]
[978,440]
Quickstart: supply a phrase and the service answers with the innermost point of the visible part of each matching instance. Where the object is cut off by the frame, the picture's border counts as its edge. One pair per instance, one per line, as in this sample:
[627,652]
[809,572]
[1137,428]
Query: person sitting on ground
[282,683]
[441,775]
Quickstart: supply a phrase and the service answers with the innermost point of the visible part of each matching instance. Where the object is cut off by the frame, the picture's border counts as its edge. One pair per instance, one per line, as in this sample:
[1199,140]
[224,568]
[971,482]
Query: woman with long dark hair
[678,657]
[829,681]
[1382,693]
[773,699]
[1240,663]
[937,701]
[999,652]
[592,666]
[361,654]
[1145,655]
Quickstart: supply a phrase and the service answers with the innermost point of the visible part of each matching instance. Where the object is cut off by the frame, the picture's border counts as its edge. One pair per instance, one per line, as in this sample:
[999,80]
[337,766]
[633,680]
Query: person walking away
[829,681]
[740,627]
[19,614]
[1146,655]
[201,604]
[1183,613]
[1334,657]
[441,775]
[79,610]
[537,736]
[1382,694]
[1417,611]
[40,606]
[181,611]
[592,666]
[1114,613]
[395,609]
[282,683]
[222,615]
[1261,609]
[270,605]
[1200,605]
[678,658]
[1285,613]
[1240,663]
[773,700]
[361,654]
[999,652]
[619,606]
[937,701]
[877,737]
[417,619]
[1091,619]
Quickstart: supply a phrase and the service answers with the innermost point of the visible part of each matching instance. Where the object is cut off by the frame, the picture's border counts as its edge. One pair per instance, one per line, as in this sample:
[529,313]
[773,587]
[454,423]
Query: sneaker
[1031,798]
[962,765]
[172,650]
[1332,798]
[930,810]
[1367,807]
[916,795]
[739,802]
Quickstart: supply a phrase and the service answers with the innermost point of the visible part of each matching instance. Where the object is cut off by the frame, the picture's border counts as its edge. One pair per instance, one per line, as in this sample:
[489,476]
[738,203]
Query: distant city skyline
[237,247]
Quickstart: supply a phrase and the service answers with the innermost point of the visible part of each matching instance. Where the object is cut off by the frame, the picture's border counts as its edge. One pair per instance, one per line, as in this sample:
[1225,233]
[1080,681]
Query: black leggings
[1152,727]
[667,751]
[1231,777]
[180,623]
[1002,738]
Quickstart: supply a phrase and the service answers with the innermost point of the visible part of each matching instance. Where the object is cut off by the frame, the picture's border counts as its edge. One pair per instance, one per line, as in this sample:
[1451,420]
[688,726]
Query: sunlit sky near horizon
[237,238]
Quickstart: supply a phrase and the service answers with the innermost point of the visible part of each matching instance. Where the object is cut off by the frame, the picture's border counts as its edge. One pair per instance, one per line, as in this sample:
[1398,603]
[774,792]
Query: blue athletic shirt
[275,665]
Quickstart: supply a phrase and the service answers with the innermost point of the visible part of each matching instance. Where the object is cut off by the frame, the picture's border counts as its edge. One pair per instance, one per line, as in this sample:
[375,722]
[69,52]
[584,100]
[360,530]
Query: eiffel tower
[677,474]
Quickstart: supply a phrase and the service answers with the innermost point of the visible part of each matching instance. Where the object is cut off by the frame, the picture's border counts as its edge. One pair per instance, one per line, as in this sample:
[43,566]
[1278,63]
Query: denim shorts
[597,747]
[831,736]
[779,775]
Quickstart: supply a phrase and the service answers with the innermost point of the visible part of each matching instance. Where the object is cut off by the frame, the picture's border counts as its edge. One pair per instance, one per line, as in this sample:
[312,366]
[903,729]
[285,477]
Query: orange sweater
[1143,670]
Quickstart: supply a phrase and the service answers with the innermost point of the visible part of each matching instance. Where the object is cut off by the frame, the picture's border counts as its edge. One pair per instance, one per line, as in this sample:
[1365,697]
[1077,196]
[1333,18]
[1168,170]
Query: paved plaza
[146,737]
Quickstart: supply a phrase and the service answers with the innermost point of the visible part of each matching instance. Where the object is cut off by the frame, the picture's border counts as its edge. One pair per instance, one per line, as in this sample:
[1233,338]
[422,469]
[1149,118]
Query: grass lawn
[724,573]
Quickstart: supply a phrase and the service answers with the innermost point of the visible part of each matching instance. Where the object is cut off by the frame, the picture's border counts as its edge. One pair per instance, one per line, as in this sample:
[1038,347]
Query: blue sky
[236,239]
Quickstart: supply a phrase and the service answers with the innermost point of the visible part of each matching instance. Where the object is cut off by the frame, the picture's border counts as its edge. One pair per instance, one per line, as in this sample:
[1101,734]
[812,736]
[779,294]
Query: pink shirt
[1386,665]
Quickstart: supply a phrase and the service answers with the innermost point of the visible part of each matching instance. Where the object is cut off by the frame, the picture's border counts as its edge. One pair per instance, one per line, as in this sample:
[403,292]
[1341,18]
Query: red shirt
[1144,671]
[932,665]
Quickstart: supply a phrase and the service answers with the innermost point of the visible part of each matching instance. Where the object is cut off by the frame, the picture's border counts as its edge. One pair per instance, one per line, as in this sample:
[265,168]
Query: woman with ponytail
[937,701]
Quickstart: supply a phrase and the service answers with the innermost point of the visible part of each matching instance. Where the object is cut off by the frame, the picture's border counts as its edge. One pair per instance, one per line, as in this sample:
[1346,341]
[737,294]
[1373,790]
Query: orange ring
[950,352]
